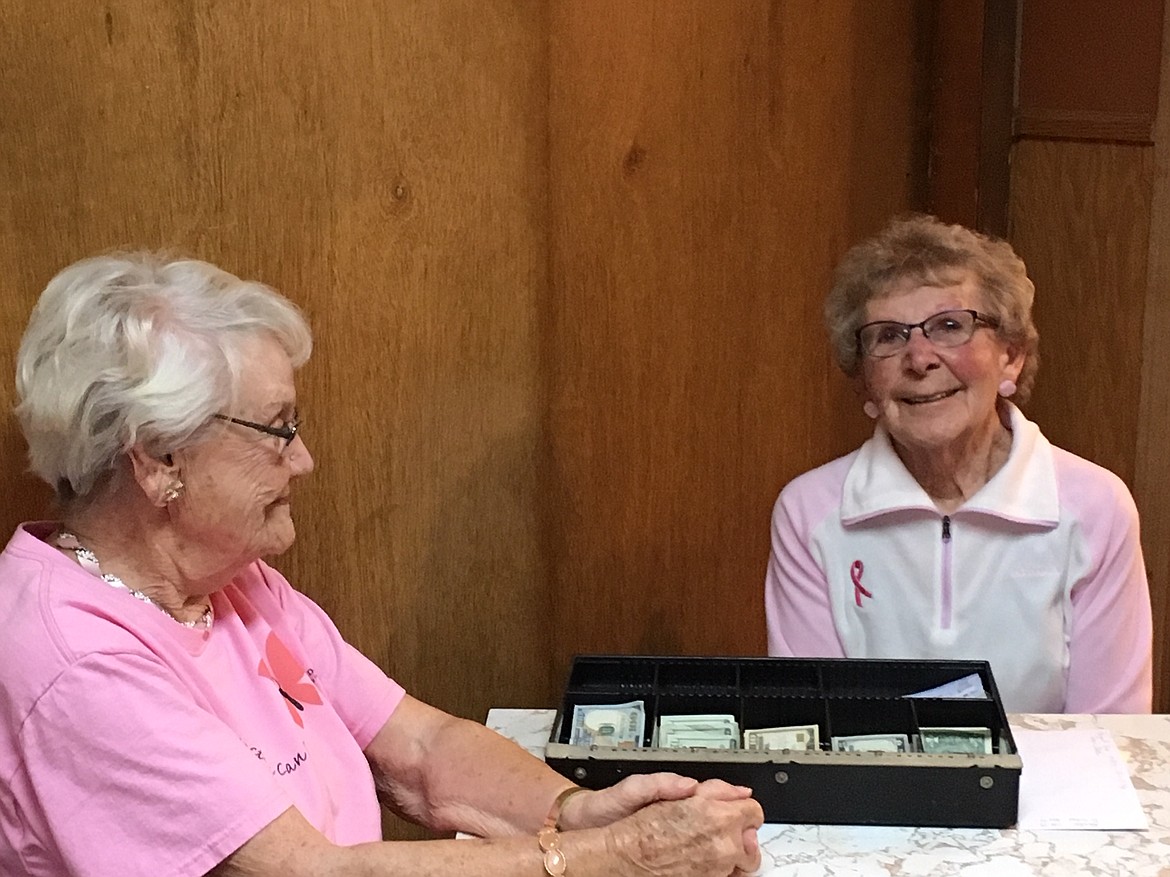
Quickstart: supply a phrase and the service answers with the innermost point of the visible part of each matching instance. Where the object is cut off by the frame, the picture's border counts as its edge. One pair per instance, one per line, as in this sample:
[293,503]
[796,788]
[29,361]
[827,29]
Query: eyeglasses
[288,432]
[947,329]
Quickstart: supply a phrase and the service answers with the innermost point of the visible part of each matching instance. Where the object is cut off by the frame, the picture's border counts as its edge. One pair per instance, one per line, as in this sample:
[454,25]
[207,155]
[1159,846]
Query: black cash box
[842,696]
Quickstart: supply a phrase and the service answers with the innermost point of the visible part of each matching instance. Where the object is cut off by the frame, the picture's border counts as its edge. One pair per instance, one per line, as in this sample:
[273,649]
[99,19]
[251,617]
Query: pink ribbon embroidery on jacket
[859,590]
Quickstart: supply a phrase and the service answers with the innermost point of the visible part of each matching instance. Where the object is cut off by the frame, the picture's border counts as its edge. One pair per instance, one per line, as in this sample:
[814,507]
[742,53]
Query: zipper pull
[946,528]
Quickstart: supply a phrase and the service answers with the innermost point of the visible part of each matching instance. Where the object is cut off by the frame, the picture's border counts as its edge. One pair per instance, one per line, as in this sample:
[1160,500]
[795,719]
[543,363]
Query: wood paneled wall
[708,165]
[1152,470]
[564,263]
[384,166]
[1089,71]
[1080,220]
[1088,215]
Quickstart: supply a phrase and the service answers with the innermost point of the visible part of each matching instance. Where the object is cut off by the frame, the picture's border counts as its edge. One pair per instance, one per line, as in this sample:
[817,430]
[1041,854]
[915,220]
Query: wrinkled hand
[705,835]
[720,791]
[600,808]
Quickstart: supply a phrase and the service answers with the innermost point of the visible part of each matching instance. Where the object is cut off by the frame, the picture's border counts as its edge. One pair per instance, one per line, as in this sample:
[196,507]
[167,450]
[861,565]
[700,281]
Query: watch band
[549,838]
[553,819]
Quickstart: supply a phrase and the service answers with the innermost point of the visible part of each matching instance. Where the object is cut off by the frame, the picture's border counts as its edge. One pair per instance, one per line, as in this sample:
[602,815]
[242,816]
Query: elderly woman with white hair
[958,531]
[170,705]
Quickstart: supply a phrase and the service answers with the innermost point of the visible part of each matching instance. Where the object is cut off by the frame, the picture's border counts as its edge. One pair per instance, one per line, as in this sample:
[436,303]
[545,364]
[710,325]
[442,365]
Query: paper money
[619,725]
[872,743]
[697,731]
[792,737]
[965,741]
[682,741]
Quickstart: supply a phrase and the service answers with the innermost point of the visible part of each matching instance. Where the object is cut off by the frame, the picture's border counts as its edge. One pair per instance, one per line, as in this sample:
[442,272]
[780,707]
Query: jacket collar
[1023,490]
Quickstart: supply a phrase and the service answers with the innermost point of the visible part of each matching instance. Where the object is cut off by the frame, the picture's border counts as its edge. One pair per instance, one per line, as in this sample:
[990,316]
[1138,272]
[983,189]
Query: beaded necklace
[89,563]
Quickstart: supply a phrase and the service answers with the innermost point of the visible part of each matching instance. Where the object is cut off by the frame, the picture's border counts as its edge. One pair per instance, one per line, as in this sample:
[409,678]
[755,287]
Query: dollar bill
[715,731]
[618,725]
[714,725]
[872,743]
[698,741]
[965,741]
[791,737]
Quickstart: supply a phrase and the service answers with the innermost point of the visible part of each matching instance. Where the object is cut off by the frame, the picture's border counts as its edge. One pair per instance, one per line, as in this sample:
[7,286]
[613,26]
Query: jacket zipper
[945,607]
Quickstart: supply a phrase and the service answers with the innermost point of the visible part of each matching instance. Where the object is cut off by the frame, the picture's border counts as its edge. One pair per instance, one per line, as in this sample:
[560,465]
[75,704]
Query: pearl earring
[871,410]
[1007,388]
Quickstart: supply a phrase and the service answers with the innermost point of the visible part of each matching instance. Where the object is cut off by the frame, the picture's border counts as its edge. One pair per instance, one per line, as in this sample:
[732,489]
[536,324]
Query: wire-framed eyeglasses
[287,432]
[946,329]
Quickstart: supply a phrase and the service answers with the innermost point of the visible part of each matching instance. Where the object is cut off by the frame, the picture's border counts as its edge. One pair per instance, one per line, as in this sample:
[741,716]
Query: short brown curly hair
[925,250]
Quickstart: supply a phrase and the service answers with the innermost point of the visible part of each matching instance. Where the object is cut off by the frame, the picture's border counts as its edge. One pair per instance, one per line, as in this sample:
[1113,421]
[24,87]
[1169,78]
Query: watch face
[554,859]
[554,862]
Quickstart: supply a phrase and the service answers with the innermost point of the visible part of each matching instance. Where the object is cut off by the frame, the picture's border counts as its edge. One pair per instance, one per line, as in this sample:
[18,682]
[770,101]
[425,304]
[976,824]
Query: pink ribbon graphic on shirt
[859,590]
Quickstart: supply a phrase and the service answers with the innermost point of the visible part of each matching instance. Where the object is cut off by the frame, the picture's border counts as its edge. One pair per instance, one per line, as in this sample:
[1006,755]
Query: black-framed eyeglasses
[946,329]
[287,432]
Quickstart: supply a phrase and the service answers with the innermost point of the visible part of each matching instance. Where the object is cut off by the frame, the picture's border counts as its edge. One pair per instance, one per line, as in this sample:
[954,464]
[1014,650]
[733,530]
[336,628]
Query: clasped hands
[667,825]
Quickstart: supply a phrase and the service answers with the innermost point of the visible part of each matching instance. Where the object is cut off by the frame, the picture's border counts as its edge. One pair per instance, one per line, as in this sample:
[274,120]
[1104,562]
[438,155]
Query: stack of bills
[619,725]
[965,741]
[872,743]
[791,737]
[700,731]
[962,741]
[623,726]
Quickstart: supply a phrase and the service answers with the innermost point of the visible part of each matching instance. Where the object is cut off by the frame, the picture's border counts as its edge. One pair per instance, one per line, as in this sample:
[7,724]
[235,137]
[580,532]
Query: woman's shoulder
[1079,480]
[258,577]
[1087,486]
[56,621]
[266,590]
[1082,473]
[812,496]
[48,602]
[826,478]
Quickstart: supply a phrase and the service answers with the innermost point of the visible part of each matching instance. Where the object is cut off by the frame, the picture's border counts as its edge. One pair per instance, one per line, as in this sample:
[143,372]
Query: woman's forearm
[695,837]
[450,774]
[290,847]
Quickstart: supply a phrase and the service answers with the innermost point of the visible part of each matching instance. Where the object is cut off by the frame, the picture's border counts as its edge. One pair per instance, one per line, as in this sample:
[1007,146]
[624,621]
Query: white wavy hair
[133,348]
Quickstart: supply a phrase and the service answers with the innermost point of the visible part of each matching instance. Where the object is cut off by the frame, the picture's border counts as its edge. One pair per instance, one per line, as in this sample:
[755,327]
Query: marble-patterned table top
[879,851]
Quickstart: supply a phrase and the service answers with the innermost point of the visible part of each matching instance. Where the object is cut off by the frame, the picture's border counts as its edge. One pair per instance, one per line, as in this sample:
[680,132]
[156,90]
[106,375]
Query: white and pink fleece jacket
[1040,573]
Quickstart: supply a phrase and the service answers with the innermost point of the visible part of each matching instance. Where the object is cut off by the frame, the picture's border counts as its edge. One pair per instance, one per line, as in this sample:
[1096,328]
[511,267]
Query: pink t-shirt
[131,745]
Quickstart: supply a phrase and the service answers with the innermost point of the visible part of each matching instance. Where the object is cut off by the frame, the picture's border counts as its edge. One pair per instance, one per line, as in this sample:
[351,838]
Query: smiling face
[236,501]
[937,399]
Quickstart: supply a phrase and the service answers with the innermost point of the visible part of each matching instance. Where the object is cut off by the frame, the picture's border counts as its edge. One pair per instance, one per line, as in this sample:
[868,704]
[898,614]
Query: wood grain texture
[384,166]
[1080,220]
[1087,125]
[564,264]
[996,104]
[1084,56]
[955,110]
[1152,464]
[708,165]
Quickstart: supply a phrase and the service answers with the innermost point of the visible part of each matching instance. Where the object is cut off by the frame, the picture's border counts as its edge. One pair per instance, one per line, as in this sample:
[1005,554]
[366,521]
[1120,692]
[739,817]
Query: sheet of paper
[1075,779]
[968,686]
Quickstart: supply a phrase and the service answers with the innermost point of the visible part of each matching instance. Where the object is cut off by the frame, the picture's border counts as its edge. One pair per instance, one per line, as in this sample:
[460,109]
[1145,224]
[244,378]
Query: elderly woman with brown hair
[170,705]
[957,531]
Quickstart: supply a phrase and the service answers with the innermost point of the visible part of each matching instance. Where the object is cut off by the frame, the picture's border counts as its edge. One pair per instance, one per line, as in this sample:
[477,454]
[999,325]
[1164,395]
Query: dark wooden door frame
[972,67]
[1001,28]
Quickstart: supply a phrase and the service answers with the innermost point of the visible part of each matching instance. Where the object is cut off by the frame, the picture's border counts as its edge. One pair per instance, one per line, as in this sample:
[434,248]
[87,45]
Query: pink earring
[1007,388]
[871,410]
